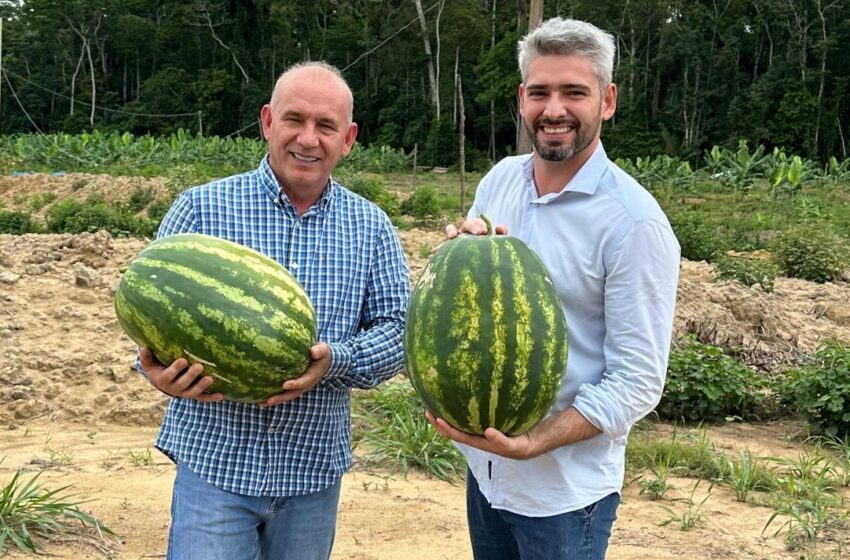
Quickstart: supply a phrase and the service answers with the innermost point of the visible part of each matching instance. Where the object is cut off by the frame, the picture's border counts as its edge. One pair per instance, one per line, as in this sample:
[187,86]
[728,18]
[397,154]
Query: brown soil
[73,408]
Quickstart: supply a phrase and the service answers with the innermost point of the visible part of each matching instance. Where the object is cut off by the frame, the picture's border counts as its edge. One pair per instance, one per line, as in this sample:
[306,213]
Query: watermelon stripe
[212,301]
[485,341]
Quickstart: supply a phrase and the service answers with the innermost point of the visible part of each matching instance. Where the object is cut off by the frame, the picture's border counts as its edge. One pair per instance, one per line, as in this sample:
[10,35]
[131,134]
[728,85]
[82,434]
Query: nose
[308,137]
[555,108]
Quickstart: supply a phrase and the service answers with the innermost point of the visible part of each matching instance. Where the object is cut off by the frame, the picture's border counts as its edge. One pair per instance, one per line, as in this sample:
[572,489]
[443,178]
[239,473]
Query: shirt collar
[275,192]
[585,181]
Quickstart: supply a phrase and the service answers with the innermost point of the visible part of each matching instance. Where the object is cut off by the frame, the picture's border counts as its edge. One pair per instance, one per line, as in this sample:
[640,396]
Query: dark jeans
[501,535]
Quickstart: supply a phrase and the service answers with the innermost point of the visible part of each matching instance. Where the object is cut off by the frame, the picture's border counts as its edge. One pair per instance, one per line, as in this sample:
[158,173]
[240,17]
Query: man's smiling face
[562,106]
[308,128]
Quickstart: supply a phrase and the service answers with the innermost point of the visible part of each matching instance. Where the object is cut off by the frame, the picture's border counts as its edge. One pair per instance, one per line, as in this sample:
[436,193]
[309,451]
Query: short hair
[558,36]
[318,65]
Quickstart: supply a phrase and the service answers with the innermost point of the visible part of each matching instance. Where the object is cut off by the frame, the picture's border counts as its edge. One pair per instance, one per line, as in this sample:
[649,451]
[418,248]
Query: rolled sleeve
[640,297]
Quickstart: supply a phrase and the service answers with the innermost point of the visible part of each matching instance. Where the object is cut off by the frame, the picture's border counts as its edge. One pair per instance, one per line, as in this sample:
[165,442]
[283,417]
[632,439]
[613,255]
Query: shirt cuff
[340,360]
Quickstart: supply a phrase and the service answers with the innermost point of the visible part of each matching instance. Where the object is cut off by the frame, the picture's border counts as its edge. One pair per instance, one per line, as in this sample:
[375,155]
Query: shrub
[820,390]
[423,203]
[811,252]
[140,198]
[72,216]
[698,239]
[746,270]
[704,384]
[17,223]
[372,188]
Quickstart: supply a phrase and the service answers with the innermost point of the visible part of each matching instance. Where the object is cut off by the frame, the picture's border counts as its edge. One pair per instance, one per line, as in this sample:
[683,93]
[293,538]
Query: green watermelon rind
[229,307]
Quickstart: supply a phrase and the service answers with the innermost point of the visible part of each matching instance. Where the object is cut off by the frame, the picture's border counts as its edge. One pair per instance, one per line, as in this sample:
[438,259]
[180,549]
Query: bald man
[264,480]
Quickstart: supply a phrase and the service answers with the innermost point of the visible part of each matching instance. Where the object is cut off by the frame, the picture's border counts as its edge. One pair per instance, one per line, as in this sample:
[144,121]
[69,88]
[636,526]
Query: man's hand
[493,441]
[294,388]
[475,226]
[174,381]
[552,432]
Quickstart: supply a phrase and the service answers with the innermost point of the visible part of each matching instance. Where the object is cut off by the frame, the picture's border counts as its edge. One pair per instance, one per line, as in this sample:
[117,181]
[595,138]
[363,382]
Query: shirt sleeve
[376,353]
[640,297]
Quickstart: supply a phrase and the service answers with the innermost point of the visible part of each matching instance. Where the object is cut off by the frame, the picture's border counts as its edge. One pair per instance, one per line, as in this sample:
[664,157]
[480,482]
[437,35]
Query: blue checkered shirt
[345,253]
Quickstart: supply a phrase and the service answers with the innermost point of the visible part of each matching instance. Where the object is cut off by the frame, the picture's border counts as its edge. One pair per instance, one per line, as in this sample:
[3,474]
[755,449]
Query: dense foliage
[820,390]
[689,73]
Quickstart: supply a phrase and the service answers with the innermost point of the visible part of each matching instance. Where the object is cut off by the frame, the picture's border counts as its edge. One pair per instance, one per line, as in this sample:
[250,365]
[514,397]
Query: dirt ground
[71,406]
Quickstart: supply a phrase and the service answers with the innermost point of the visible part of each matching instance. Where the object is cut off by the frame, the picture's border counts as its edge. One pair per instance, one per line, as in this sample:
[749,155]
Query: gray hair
[558,36]
[318,65]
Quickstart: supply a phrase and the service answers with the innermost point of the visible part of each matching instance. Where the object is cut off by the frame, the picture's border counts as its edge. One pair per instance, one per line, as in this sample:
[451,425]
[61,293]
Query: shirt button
[293,265]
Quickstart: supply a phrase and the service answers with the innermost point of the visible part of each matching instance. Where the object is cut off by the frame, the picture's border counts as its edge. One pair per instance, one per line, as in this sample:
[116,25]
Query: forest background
[692,74]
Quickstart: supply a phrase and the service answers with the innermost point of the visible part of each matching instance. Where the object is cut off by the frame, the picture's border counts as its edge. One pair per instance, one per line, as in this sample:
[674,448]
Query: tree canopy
[691,73]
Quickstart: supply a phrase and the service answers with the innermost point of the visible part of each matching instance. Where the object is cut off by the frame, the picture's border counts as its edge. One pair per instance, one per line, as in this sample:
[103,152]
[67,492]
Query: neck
[552,176]
[302,201]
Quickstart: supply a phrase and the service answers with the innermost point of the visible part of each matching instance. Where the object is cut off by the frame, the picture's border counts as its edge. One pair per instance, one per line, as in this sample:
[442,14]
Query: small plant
[39,201]
[747,473]
[29,512]
[423,203]
[425,251]
[820,390]
[397,432]
[704,384]
[688,519]
[17,223]
[747,270]
[811,252]
[140,198]
[140,458]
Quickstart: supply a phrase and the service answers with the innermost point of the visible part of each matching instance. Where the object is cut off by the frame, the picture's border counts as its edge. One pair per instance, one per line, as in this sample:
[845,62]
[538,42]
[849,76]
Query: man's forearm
[561,429]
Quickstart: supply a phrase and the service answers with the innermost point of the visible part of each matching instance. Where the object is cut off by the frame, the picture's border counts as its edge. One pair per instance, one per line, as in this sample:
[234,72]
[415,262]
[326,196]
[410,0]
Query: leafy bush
[372,188]
[820,390]
[811,252]
[140,198]
[17,223]
[72,216]
[698,239]
[704,384]
[747,270]
[423,203]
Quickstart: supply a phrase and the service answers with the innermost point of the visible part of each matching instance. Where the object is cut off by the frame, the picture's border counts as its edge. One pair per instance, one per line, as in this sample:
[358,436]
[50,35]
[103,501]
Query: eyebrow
[569,86]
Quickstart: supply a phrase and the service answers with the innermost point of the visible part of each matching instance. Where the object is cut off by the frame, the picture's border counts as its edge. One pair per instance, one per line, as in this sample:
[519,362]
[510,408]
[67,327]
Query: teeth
[560,130]
[304,158]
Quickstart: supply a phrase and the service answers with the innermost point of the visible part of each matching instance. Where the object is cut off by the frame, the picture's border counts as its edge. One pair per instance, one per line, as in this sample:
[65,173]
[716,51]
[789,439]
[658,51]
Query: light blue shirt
[614,261]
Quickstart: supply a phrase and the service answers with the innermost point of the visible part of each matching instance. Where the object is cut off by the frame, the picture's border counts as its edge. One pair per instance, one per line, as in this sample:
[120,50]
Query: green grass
[29,513]
[391,424]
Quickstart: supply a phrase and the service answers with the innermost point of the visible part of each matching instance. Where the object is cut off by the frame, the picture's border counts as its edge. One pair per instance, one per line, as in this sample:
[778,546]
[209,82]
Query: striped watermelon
[236,311]
[485,341]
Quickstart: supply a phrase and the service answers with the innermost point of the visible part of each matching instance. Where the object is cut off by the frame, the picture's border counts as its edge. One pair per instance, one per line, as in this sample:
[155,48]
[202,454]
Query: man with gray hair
[264,480]
[553,492]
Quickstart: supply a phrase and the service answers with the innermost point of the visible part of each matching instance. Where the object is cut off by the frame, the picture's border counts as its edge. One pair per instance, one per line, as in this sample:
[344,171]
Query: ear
[350,137]
[609,101]
[266,119]
[521,95]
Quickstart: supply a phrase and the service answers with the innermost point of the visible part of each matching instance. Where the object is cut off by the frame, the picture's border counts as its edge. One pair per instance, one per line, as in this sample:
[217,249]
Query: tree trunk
[462,141]
[74,76]
[535,15]
[93,83]
[432,77]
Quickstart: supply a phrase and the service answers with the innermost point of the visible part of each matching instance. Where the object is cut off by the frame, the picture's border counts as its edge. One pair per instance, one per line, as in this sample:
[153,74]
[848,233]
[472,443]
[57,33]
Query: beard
[583,137]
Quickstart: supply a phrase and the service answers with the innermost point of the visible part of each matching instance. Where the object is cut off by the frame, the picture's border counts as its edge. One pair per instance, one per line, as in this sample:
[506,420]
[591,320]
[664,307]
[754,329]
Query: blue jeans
[208,523]
[498,534]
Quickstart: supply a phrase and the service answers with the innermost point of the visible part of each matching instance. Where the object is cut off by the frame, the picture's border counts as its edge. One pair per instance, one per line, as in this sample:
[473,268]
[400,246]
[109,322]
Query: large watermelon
[236,311]
[485,342]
